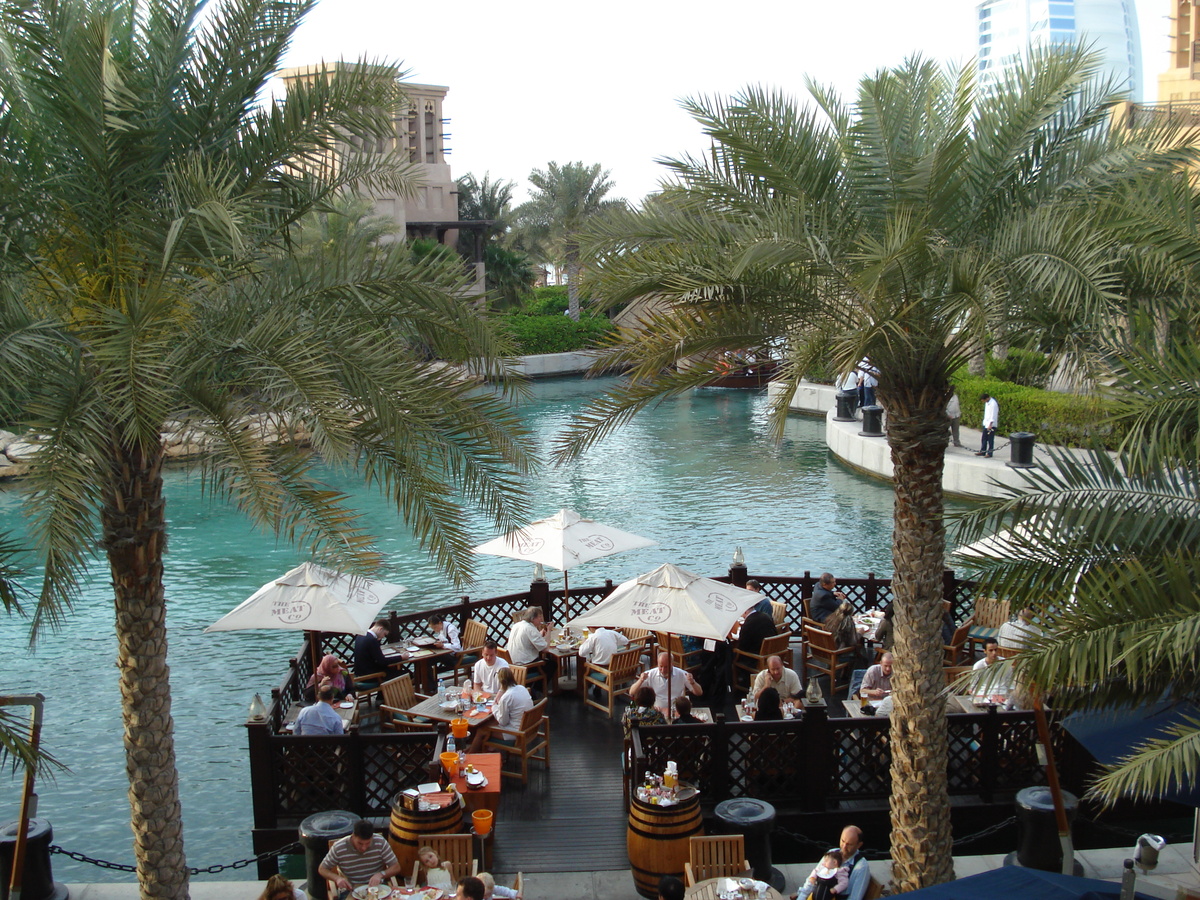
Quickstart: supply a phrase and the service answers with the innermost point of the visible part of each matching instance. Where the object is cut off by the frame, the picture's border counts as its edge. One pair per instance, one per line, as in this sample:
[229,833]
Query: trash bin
[1021,450]
[847,402]
[754,820]
[1038,845]
[37,883]
[872,424]
[315,834]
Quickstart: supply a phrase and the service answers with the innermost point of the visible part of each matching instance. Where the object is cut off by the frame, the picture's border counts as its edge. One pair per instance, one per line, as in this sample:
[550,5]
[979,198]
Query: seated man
[469,888]
[599,648]
[824,598]
[763,605]
[487,667]
[758,625]
[321,717]
[362,858]
[527,640]
[778,676]
[877,682]
[368,654]
[667,682]
[445,631]
[995,684]
[1019,631]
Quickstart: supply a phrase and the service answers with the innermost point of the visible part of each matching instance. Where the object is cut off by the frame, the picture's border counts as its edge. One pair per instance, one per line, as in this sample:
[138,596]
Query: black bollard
[847,402]
[315,834]
[872,421]
[37,882]
[1021,450]
[754,820]
[1039,846]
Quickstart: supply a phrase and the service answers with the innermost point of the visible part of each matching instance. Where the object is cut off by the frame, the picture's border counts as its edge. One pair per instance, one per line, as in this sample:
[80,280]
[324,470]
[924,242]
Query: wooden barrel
[410,827]
[658,840]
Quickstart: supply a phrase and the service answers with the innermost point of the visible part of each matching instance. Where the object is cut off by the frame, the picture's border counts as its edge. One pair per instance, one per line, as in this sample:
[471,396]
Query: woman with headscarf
[333,670]
[768,708]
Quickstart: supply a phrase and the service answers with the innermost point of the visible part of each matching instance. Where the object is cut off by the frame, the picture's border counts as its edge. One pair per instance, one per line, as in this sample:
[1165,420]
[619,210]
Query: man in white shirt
[877,681]
[446,633]
[600,647]
[778,676]
[667,682]
[321,717]
[527,638]
[991,419]
[992,685]
[485,671]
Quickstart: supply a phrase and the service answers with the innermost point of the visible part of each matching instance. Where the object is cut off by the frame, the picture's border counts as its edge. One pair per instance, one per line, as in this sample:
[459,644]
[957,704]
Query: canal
[700,474]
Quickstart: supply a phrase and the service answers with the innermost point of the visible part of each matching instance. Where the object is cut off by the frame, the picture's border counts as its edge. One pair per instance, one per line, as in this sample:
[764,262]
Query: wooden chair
[454,850]
[958,643]
[519,674]
[823,655]
[398,697]
[612,680]
[688,661]
[753,663]
[534,672]
[716,856]
[990,613]
[779,613]
[806,604]
[331,886]
[530,741]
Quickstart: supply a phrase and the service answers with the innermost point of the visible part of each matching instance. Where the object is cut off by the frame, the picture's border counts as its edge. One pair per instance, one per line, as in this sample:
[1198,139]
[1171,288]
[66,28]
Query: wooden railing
[825,762]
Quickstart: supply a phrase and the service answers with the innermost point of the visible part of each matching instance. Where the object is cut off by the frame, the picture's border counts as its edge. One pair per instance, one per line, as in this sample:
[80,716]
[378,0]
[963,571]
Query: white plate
[413,649]
[477,779]
[347,704]
[747,718]
[450,705]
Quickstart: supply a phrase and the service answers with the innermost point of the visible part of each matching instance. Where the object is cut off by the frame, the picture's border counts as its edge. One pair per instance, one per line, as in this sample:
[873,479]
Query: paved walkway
[1176,870]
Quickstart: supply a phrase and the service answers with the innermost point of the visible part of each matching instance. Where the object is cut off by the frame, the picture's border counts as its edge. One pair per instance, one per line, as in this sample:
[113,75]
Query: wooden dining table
[488,796]
[420,655]
[431,708]
[712,888]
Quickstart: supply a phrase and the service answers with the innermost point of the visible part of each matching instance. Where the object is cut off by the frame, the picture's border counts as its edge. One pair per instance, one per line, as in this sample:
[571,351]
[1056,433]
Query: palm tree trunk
[920,803]
[134,520]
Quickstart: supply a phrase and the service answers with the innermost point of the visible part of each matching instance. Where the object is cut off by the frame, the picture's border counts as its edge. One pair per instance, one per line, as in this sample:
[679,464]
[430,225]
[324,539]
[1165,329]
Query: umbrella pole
[1060,812]
[565,590]
[314,649]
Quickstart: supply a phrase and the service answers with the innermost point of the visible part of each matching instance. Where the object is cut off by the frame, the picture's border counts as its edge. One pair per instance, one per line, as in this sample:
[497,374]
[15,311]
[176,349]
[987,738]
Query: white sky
[533,81]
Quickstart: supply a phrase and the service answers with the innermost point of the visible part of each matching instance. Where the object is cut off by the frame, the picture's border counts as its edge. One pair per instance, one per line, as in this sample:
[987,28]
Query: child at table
[491,889]
[430,872]
[828,879]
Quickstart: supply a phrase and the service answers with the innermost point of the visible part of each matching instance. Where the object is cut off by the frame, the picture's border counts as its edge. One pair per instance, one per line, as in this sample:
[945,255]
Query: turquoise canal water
[699,474]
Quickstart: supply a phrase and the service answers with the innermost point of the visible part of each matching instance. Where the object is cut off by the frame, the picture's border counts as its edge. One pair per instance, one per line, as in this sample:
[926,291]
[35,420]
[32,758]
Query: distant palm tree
[551,222]
[149,203]
[895,228]
[488,200]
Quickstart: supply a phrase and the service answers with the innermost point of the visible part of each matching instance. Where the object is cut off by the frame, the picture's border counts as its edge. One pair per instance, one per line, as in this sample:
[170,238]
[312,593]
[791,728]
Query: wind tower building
[1008,28]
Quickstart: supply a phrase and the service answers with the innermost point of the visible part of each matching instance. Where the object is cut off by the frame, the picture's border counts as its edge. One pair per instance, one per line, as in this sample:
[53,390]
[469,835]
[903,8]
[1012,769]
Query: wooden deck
[569,818]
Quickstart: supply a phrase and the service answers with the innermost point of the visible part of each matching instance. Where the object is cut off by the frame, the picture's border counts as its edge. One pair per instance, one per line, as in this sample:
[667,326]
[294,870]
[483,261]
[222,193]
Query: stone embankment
[182,442]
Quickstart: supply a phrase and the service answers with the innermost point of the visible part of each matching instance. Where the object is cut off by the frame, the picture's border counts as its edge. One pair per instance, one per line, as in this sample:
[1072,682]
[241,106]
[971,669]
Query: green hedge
[554,334]
[1054,418]
[1022,367]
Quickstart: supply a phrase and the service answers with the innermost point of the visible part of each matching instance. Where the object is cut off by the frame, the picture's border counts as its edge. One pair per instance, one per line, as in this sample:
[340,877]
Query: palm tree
[890,228]
[149,210]
[550,223]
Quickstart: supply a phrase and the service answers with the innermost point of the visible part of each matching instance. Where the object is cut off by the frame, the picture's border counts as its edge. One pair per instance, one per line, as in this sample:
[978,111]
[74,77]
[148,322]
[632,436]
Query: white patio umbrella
[311,598]
[563,541]
[673,600]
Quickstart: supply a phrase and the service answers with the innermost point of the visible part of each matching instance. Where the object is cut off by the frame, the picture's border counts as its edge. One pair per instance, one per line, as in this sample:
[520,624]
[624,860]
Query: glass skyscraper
[1007,28]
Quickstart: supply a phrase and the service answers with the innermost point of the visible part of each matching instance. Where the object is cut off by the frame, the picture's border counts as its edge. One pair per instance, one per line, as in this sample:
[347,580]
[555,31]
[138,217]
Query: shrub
[1066,419]
[554,334]
[547,301]
[1022,367]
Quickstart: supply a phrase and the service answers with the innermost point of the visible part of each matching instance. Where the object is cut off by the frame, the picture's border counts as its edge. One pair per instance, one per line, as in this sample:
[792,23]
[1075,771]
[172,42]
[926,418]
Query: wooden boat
[750,377]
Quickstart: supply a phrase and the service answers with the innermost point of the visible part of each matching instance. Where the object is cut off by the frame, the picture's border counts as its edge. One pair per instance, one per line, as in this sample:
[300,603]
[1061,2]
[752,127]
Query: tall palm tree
[149,202]
[565,198]
[892,227]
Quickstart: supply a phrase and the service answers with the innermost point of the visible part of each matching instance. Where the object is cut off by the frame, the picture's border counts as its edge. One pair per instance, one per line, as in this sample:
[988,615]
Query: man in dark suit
[368,655]
[825,599]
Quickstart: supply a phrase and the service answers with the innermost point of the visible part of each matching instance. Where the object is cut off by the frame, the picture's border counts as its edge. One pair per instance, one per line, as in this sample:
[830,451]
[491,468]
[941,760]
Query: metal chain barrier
[1178,838]
[822,846]
[192,870]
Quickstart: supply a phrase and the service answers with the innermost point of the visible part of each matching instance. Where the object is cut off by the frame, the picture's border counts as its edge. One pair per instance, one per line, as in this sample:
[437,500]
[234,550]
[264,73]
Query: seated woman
[339,679]
[642,711]
[768,706]
[431,872]
[513,701]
